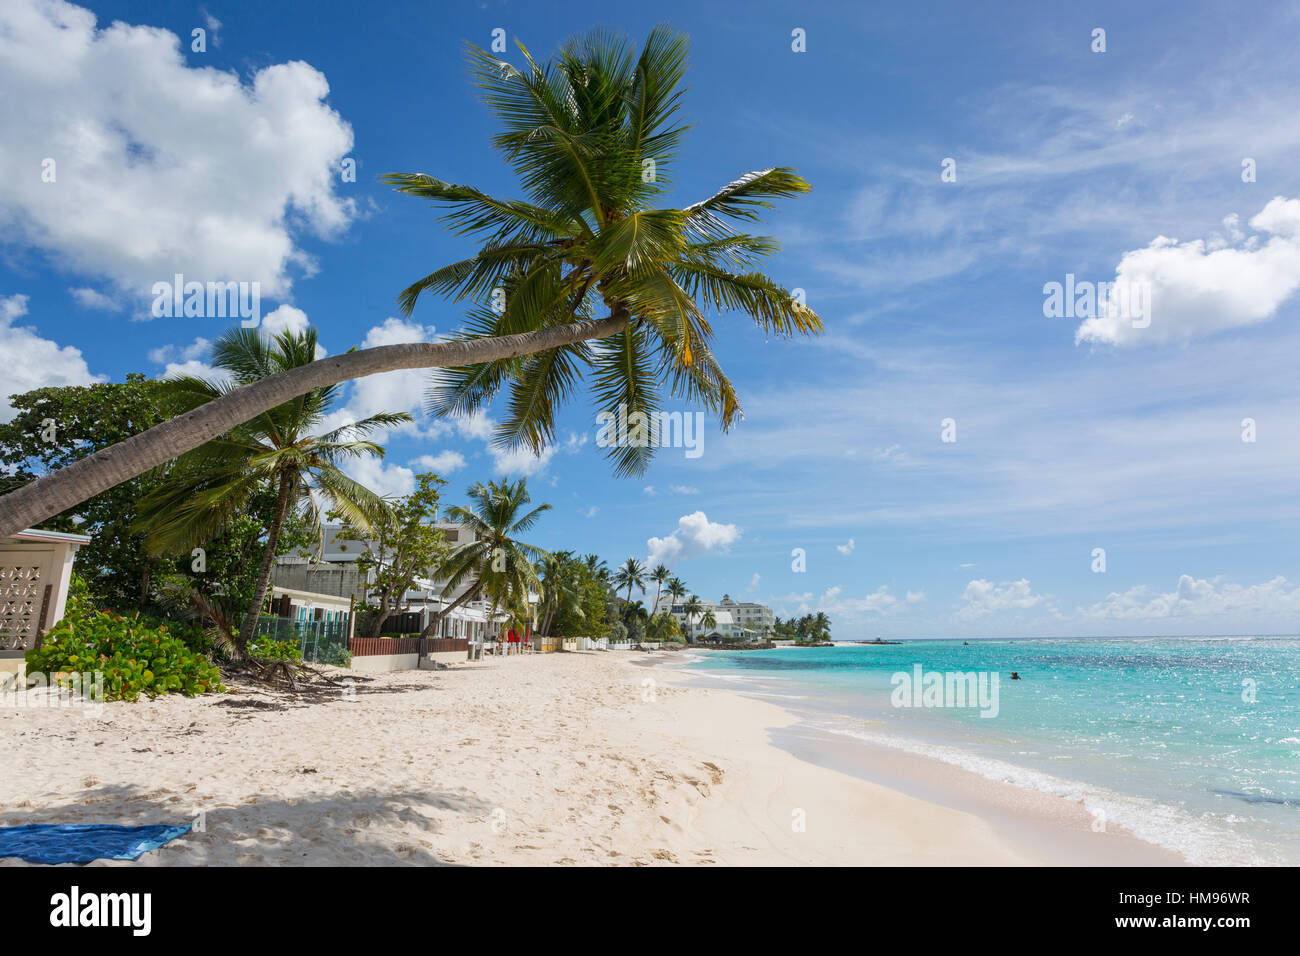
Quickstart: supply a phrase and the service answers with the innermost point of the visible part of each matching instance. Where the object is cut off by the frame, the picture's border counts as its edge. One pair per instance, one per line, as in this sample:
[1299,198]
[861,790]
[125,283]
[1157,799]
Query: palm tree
[709,620]
[822,626]
[630,573]
[559,588]
[693,607]
[676,589]
[277,447]
[495,563]
[659,576]
[599,569]
[592,135]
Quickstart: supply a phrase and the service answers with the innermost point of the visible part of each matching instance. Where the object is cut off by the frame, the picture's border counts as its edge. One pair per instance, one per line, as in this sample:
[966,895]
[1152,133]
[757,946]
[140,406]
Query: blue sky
[1071,434]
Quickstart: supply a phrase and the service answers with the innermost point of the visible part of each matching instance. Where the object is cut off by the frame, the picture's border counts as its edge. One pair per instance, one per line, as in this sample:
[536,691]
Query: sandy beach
[577,759]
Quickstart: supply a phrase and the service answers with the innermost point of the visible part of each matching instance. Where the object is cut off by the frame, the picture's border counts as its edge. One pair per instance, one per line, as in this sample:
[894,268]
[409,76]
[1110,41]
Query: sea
[1192,743]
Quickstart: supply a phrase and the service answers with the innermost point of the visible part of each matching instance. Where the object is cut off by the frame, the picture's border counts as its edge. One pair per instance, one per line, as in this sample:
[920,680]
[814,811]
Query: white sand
[555,759]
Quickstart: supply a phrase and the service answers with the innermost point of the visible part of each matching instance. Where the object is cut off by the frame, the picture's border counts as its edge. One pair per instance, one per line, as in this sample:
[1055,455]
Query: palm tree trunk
[62,489]
[439,615]
[268,561]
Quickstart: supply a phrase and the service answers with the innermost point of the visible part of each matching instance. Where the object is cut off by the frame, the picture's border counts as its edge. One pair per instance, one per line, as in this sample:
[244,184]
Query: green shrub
[134,658]
[335,654]
[268,649]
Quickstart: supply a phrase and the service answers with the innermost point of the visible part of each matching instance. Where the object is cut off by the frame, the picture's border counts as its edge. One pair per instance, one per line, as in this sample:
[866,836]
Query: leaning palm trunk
[436,616]
[282,497]
[62,489]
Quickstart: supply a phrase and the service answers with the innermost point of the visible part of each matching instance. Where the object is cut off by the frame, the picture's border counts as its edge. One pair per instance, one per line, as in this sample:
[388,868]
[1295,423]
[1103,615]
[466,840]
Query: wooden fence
[372,646]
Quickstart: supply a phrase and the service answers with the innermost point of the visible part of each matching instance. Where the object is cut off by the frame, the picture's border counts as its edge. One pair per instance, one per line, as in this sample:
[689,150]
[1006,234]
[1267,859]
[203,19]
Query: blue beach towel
[83,842]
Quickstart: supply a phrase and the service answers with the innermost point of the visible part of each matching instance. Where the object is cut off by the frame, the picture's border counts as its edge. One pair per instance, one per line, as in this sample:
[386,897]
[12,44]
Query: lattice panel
[20,605]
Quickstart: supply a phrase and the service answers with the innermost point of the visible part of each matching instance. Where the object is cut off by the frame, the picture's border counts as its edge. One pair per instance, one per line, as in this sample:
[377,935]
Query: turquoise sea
[1192,743]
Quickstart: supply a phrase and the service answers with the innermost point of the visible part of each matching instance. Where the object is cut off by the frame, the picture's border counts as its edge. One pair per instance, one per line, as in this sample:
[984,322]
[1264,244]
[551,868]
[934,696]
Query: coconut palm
[495,564]
[596,281]
[598,568]
[822,626]
[631,573]
[560,591]
[694,606]
[709,621]
[277,448]
[659,576]
[676,589]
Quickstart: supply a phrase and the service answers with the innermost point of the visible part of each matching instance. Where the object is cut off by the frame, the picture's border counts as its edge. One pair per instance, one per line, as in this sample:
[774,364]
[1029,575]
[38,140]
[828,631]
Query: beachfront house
[35,571]
[335,574]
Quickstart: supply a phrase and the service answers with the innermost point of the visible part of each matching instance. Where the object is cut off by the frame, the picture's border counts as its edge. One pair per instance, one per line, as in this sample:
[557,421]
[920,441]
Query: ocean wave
[1200,840]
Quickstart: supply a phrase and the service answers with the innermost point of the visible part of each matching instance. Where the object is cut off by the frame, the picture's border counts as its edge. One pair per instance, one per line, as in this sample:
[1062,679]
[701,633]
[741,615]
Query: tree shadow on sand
[315,829]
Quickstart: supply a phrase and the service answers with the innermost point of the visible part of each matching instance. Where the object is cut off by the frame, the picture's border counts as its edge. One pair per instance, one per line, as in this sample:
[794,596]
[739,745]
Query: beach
[559,759]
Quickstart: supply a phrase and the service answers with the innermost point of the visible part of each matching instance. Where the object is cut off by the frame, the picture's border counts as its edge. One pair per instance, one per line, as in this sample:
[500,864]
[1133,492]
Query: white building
[35,571]
[733,621]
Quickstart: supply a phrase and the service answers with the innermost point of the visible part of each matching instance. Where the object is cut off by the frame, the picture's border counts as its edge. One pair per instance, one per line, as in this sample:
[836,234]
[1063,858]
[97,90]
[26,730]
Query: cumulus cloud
[286,318]
[180,353]
[1199,597]
[846,549]
[160,167]
[30,361]
[381,478]
[442,463]
[984,597]
[92,299]
[1204,286]
[844,608]
[695,535]
[517,462]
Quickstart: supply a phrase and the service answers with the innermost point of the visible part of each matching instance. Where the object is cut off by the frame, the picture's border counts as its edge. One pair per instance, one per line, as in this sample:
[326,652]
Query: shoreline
[1027,819]
[563,759]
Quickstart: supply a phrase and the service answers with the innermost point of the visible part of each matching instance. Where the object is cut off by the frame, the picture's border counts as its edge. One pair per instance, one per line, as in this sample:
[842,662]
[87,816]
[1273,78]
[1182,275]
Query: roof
[39,534]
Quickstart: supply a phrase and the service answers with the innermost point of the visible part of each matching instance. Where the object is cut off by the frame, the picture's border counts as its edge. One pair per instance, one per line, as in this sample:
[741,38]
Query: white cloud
[684,490]
[844,610]
[160,167]
[516,462]
[753,582]
[650,490]
[91,299]
[286,318]
[195,369]
[589,512]
[695,535]
[1201,287]
[30,361]
[520,462]
[442,463]
[984,597]
[183,353]
[381,478]
[915,597]
[846,549]
[1198,597]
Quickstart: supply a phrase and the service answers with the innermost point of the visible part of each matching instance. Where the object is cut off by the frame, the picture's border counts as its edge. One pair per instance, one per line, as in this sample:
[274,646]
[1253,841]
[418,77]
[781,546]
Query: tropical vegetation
[585,279]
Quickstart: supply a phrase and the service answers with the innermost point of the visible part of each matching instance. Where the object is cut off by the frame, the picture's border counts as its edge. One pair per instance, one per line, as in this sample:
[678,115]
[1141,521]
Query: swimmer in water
[1015,675]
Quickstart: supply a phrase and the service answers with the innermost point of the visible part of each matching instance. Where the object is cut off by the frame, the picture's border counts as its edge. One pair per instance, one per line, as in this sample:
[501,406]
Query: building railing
[320,642]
